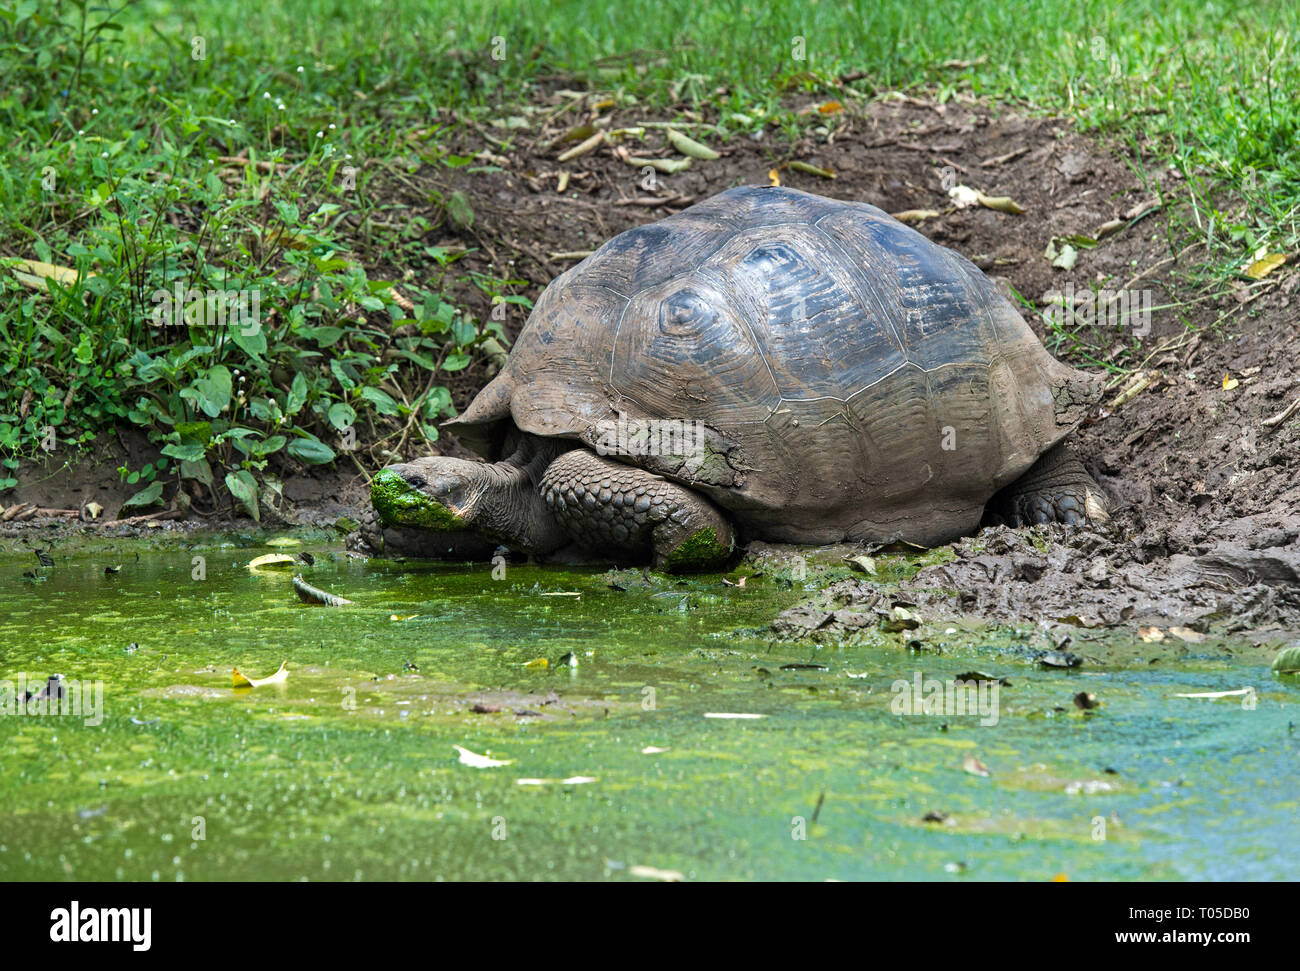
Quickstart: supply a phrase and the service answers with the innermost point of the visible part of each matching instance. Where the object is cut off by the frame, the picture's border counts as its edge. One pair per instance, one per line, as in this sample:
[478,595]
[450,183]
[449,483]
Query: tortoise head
[495,501]
[438,493]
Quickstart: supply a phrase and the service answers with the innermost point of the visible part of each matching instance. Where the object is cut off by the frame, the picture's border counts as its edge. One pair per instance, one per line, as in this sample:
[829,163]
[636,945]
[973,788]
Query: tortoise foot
[1056,489]
[630,514]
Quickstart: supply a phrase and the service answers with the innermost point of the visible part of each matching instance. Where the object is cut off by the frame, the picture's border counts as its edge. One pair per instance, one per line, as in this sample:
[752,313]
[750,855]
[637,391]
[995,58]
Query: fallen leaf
[773,177]
[402,616]
[243,681]
[1001,204]
[1187,634]
[94,509]
[964,197]
[653,873]
[1287,661]
[668,166]
[33,273]
[478,761]
[579,150]
[1151,635]
[538,662]
[975,767]
[689,146]
[283,541]
[1060,659]
[863,564]
[911,216]
[1265,265]
[830,107]
[273,561]
[901,619]
[1229,382]
[808,169]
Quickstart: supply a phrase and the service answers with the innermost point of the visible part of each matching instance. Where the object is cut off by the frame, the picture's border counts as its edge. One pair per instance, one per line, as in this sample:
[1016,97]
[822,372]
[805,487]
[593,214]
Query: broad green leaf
[145,497]
[311,450]
[243,487]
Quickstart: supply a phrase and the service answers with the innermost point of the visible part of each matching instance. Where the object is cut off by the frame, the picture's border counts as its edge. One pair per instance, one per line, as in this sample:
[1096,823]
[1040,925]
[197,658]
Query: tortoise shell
[853,380]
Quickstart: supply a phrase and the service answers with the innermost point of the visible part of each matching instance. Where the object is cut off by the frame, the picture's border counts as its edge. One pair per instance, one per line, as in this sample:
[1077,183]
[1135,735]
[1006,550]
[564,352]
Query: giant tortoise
[765,364]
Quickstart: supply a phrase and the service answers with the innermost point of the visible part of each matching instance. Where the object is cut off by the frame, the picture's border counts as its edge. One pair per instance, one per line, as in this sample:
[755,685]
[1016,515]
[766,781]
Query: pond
[366,761]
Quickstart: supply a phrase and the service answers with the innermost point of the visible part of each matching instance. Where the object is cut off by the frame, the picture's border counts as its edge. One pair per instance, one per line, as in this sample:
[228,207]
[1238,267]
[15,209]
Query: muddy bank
[1055,577]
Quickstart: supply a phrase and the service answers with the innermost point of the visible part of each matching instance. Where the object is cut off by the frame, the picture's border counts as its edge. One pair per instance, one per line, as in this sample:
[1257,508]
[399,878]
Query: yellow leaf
[32,273]
[272,561]
[1264,266]
[241,681]
[1229,382]
[773,177]
[539,662]
[1151,635]
[402,616]
[283,541]
[94,509]
[830,107]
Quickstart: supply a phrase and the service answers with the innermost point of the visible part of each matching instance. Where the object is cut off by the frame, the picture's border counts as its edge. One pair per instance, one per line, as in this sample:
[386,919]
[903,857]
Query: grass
[234,146]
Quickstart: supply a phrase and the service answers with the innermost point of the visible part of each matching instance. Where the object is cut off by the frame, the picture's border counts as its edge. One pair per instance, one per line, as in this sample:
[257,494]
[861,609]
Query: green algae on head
[398,503]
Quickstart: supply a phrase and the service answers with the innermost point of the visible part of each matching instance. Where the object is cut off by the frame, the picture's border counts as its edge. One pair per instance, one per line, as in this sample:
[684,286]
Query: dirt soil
[1201,471]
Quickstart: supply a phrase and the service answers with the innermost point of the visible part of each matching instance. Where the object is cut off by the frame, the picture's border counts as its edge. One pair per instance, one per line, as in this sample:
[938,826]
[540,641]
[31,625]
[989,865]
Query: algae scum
[367,761]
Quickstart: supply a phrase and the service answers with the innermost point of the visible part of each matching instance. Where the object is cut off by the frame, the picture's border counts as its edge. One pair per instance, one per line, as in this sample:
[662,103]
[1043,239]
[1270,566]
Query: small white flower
[266,95]
[81,131]
[320,134]
[331,126]
[299,68]
[94,111]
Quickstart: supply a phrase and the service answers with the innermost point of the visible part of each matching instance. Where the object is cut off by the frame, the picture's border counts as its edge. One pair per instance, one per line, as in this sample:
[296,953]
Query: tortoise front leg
[629,513]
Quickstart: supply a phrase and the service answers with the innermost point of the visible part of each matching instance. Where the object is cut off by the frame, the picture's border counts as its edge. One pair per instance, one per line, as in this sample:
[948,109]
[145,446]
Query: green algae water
[370,760]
